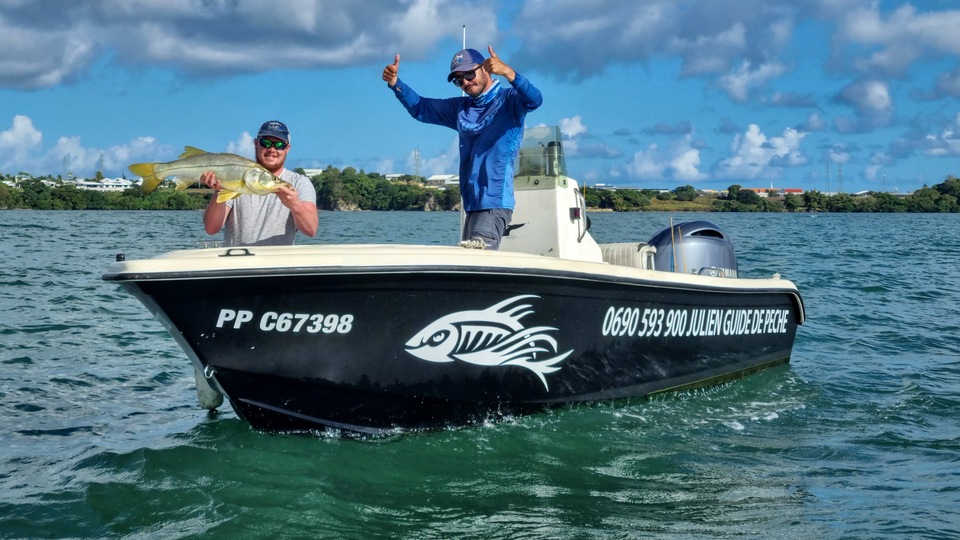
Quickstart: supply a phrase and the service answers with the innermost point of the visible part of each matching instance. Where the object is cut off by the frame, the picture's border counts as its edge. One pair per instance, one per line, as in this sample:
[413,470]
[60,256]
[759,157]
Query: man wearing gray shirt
[265,220]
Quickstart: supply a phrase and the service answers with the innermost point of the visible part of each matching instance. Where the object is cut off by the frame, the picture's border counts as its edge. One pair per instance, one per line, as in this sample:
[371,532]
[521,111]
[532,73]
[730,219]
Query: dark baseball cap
[275,128]
[465,60]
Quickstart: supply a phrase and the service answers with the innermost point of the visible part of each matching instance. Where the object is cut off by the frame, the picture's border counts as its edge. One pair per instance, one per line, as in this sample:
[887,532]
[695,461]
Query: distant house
[774,192]
[107,184]
[442,180]
[762,192]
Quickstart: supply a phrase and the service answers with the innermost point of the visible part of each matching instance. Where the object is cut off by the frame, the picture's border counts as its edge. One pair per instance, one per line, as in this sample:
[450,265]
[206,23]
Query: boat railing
[631,254]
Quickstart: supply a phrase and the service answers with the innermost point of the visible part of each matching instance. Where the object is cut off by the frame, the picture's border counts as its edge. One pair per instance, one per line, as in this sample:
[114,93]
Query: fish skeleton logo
[490,337]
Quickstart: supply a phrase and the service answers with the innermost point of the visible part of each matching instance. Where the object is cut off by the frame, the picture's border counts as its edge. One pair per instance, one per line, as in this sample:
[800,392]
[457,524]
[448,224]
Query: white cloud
[684,165]
[894,41]
[838,154]
[878,160]
[17,144]
[872,101]
[19,147]
[44,47]
[946,143]
[70,157]
[572,127]
[754,155]
[243,146]
[739,82]
[815,122]
[446,162]
[679,162]
[705,54]
[948,84]
[647,164]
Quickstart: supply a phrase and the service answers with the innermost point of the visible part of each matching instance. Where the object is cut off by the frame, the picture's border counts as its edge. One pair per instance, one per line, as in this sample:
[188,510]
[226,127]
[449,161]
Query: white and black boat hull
[372,338]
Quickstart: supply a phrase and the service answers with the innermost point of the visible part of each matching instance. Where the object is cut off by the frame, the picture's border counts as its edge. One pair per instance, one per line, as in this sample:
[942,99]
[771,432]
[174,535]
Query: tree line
[350,189]
[941,198]
[346,189]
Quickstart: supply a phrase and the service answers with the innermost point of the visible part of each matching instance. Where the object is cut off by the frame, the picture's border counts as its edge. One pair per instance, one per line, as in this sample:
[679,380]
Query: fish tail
[147,171]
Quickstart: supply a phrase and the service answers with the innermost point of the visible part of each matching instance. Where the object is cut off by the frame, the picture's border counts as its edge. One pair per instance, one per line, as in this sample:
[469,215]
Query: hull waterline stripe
[328,423]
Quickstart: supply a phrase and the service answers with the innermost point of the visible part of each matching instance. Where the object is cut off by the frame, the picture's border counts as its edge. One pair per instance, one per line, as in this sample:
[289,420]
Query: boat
[379,338]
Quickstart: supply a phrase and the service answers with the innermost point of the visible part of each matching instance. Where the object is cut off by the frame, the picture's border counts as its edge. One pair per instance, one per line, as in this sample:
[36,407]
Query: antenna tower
[416,164]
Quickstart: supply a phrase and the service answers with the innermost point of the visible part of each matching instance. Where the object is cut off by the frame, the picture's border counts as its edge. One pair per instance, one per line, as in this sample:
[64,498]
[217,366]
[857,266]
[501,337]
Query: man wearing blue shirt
[489,120]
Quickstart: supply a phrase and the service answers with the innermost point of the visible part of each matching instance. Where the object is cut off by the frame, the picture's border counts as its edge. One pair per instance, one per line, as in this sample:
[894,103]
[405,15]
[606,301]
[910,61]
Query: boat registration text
[271,321]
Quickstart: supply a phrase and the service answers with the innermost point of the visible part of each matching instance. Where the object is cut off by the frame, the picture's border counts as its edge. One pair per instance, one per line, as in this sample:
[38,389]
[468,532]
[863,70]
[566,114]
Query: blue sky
[815,94]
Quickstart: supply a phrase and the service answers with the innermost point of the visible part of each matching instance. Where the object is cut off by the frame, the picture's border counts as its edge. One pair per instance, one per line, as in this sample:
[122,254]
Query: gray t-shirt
[262,220]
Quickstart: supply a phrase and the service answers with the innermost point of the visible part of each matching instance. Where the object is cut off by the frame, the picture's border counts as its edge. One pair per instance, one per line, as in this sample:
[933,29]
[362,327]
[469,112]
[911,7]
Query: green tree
[9,198]
[380,195]
[792,202]
[841,202]
[746,196]
[771,205]
[924,199]
[814,201]
[634,199]
[592,197]
[68,198]
[885,202]
[685,193]
[950,188]
[36,195]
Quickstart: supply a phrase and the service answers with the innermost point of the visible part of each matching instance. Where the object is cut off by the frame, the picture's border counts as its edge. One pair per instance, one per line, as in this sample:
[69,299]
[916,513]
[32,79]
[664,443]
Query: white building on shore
[107,184]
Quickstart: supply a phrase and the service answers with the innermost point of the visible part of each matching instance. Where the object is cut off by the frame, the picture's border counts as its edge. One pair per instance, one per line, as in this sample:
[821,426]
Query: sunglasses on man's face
[267,143]
[468,76]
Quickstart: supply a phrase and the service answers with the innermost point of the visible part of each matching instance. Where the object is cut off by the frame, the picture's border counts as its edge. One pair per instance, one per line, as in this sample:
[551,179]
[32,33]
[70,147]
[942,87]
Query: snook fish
[490,337]
[238,175]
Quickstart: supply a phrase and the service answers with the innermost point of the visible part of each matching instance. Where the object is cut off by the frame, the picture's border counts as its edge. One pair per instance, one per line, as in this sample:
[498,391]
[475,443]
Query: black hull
[373,349]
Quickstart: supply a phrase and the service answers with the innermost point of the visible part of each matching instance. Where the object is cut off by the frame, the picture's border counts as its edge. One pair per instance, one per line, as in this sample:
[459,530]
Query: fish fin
[189,151]
[225,196]
[184,184]
[146,172]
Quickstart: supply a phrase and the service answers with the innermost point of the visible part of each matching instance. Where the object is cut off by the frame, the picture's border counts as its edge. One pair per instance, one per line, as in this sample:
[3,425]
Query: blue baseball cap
[465,60]
[275,128]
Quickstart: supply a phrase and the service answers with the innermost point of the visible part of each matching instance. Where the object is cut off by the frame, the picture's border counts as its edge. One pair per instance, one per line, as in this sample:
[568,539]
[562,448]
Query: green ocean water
[858,437]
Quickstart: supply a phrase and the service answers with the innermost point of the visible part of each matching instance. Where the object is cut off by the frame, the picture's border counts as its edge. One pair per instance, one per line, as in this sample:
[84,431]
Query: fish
[490,337]
[238,175]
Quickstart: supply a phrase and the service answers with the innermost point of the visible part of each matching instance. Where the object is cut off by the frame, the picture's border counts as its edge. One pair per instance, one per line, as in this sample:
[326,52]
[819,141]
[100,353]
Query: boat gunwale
[171,269]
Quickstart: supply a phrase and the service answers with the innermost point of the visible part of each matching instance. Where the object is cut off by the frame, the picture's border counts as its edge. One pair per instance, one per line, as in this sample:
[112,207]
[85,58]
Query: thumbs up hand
[390,72]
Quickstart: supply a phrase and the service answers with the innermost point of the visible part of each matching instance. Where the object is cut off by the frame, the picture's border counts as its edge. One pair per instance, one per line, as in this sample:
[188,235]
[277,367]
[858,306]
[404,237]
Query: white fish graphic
[490,337]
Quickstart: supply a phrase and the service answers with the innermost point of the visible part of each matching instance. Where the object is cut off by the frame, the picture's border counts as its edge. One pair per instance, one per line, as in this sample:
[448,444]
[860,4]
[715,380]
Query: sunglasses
[279,145]
[468,76]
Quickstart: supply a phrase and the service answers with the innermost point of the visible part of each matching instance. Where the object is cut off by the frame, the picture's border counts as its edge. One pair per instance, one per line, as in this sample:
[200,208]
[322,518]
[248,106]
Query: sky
[828,95]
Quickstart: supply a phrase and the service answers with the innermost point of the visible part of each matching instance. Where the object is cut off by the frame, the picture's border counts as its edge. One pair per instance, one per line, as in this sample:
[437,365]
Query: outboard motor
[694,247]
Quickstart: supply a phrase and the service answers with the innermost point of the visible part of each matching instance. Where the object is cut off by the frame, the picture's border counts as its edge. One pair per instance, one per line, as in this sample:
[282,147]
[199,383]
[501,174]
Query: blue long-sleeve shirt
[490,128]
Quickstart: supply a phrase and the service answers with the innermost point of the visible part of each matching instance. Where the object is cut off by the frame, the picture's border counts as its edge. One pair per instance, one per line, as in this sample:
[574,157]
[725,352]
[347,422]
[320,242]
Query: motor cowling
[695,247]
